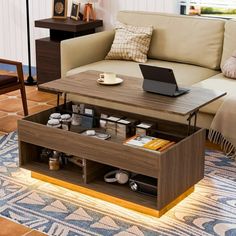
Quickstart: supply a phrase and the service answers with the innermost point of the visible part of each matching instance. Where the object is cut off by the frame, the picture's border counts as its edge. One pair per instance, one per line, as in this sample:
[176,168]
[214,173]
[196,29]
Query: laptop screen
[160,74]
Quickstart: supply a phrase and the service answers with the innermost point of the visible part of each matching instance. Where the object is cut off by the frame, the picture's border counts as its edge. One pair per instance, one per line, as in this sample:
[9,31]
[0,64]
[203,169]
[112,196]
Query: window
[215,8]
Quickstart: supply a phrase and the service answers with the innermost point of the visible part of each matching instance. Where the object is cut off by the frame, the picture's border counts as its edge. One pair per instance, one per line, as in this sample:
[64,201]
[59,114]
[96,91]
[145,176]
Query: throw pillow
[229,68]
[130,43]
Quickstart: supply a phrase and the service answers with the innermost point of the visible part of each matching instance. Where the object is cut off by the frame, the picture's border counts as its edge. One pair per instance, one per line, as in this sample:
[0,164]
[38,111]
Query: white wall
[13,39]
[107,9]
[13,34]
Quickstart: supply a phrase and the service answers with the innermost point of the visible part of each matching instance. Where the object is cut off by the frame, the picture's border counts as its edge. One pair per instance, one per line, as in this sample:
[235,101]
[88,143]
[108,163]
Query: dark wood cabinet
[48,49]
[47,60]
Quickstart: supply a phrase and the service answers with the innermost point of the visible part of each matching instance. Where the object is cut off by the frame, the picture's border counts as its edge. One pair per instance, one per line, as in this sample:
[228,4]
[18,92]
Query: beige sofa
[193,47]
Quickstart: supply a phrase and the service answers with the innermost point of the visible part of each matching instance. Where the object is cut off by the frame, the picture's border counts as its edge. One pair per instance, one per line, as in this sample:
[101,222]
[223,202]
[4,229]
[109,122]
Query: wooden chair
[10,83]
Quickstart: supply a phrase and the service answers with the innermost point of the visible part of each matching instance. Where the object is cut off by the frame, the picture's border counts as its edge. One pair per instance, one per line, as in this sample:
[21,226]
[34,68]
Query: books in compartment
[149,143]
[156,143]
[166,146]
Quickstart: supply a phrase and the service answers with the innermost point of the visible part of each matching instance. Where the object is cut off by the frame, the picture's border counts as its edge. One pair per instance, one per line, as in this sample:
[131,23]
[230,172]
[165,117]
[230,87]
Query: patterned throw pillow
[229,68]
[130,43]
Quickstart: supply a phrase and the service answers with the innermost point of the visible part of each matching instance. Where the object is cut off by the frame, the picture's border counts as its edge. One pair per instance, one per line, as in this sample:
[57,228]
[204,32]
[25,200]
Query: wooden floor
[11,108]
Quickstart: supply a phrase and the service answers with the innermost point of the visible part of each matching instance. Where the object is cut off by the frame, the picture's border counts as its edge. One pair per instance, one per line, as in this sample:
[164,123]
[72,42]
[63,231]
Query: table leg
[58,99]
[189,119]
[65,96]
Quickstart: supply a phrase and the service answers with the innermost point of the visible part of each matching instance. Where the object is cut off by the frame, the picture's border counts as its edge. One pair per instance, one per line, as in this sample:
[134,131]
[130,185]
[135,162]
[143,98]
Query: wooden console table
[48,61]
[176,169]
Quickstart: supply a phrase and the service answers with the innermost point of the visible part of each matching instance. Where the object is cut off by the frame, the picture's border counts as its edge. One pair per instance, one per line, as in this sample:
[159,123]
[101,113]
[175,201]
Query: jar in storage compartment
[54,123]
[65,121]
[56,116]
[54,163]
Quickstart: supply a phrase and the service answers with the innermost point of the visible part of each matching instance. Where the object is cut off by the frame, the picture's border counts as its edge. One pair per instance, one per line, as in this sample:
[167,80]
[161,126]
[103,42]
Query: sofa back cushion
[229,41]
[187,39]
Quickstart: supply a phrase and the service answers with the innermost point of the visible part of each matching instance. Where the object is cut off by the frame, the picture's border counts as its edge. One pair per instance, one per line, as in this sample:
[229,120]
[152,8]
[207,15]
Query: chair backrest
[10,83]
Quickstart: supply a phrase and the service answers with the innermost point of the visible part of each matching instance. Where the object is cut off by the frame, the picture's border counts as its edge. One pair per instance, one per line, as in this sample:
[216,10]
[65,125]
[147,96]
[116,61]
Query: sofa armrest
[84,50]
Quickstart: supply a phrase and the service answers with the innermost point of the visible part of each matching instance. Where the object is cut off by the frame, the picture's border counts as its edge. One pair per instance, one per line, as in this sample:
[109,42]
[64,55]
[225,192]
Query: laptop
[160,80]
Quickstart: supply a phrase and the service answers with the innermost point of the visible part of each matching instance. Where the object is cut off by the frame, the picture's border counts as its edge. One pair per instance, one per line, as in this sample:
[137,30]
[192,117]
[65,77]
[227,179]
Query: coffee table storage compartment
[177,168]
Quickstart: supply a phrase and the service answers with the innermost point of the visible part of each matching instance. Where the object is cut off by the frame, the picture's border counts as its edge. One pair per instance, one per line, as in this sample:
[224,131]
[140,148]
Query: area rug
[209,210]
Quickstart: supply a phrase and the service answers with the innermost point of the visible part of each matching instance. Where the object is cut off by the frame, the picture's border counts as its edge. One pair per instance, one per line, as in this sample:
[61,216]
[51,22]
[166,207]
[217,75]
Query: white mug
[107,77]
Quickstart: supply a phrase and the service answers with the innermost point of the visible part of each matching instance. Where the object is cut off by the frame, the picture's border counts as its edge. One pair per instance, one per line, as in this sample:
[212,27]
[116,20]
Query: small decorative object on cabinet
[89,12]
[48,51]
[59,9]
[75,11]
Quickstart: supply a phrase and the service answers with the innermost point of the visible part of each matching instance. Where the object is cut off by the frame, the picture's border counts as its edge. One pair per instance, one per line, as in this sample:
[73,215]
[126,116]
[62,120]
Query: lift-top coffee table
[177,169]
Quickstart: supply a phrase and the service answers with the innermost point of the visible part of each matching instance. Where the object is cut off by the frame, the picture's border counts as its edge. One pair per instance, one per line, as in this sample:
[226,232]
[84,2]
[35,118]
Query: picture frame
[75,8]
[59,9]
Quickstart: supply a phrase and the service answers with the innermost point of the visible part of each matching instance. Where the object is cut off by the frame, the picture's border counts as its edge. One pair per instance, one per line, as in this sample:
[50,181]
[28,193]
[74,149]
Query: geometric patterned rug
[209,210]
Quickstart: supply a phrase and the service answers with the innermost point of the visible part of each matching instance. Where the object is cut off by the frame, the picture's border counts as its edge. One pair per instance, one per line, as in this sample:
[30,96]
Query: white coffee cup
[107,77]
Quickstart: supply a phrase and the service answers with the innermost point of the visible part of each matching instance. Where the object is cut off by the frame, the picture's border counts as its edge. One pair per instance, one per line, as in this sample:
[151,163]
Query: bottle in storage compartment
[54,163]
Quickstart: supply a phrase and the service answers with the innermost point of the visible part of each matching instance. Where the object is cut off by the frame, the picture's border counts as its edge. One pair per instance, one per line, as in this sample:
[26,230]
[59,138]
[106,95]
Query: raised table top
[131,94]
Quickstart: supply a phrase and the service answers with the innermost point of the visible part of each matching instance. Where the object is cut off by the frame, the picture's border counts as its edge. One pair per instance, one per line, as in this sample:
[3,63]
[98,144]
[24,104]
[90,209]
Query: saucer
[117,81]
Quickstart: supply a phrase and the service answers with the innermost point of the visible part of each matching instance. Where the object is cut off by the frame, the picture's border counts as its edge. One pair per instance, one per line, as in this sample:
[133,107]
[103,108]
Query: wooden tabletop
[130,93]
[68,24]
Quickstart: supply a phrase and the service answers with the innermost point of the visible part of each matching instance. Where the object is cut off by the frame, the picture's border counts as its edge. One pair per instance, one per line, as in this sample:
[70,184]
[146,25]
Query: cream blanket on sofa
[223,127]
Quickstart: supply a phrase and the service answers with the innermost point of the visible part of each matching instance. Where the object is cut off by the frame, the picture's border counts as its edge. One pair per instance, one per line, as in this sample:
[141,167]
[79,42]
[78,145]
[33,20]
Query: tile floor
[11,106]
[10,228]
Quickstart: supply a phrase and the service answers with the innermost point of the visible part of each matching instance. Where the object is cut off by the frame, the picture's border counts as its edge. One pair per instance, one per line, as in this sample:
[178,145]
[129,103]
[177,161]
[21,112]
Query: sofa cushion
[229,40]
[229,68]
[187,39]
[221,83]
[130,43]
[185,74]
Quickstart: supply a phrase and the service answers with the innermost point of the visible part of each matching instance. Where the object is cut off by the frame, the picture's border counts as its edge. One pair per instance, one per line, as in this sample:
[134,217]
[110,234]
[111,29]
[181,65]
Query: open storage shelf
[119,191]
[64,174]
[177,168]
[123,192]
